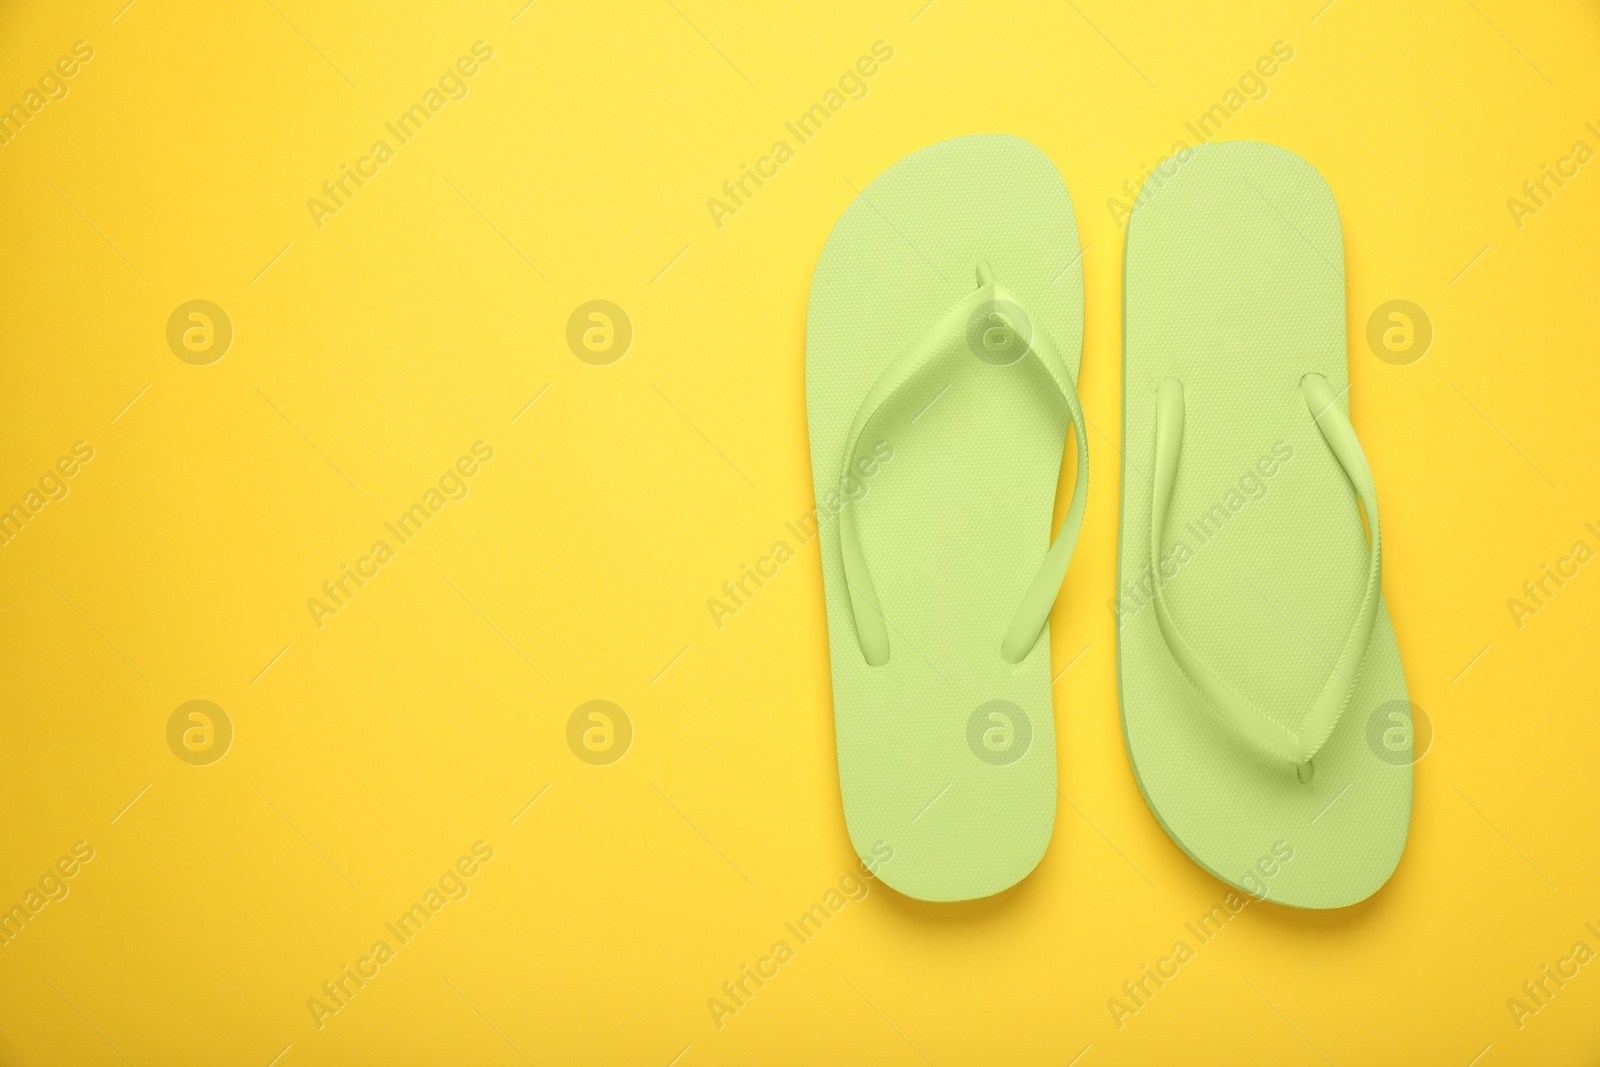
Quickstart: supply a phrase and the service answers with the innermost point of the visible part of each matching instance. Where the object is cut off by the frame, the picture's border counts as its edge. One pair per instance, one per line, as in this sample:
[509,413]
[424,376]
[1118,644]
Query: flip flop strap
[1249,721]
[872,632]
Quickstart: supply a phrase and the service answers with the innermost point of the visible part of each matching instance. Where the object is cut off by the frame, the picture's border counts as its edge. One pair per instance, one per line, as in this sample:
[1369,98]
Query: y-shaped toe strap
[1297,747]
[1005,341]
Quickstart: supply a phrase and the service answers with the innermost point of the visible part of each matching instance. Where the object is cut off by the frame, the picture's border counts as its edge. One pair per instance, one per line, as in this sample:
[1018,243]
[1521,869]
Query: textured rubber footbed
[1235,286]
[956,520]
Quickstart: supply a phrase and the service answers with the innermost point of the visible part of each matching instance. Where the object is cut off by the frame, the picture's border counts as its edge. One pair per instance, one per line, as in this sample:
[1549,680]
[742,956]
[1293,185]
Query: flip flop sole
[1235,285]
[946,752]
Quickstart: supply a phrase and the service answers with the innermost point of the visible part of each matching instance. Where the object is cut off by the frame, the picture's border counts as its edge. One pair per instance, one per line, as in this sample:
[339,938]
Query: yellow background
[427,714]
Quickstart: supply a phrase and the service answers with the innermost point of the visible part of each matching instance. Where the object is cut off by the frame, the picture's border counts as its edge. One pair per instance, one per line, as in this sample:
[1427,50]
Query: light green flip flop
[1263,703]
[942,340]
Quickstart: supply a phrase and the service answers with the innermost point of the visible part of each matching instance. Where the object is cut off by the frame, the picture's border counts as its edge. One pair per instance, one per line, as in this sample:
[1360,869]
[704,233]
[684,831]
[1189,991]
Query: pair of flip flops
[943,339]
